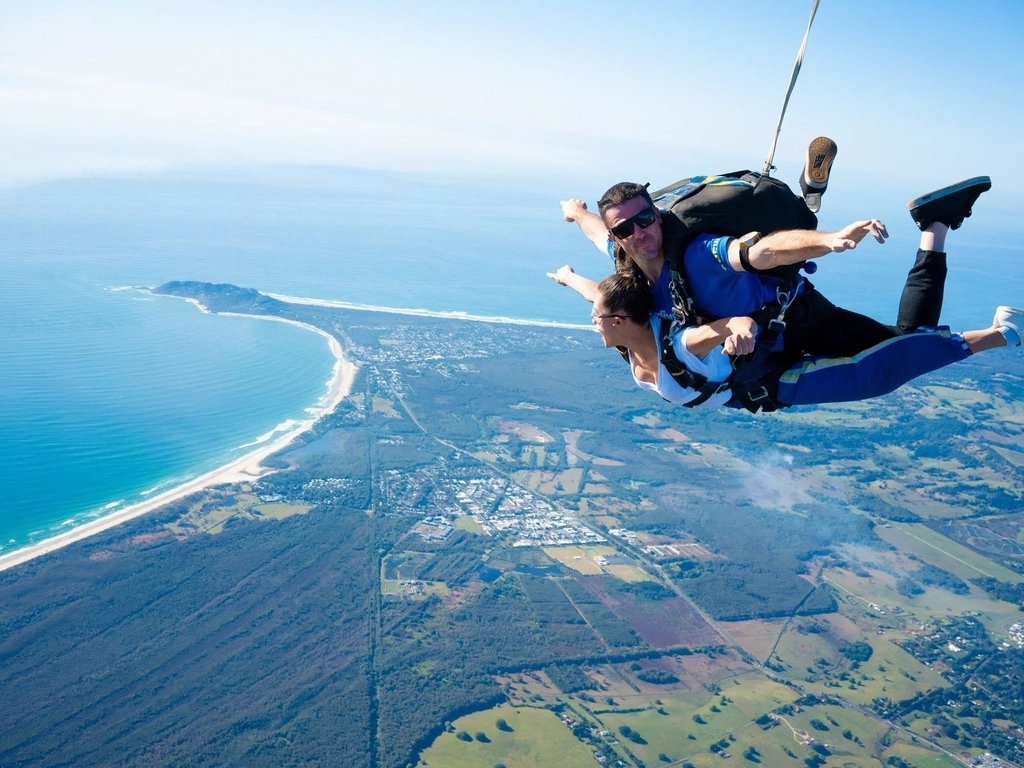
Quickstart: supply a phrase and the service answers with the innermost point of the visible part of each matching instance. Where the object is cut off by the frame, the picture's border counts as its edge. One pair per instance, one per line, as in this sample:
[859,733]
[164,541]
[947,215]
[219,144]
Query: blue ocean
[110,394]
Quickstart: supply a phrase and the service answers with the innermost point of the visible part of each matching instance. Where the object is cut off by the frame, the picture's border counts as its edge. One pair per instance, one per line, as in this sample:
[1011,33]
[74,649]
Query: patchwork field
[565,482]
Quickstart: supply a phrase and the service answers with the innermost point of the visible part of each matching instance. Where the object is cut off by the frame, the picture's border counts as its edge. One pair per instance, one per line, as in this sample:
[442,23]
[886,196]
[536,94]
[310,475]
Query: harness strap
[683,309]
[747,371]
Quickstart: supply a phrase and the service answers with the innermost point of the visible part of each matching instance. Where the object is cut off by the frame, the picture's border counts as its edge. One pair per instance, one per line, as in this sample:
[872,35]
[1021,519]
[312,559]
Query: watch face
[749,239]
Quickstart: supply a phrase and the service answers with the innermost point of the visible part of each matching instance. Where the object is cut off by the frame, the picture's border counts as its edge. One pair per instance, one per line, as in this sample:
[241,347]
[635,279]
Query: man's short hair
[620,193]
[629,295]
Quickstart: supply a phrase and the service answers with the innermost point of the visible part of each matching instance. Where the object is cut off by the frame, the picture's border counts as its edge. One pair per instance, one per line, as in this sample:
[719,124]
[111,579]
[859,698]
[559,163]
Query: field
[757,636]
[713,706]
[662,624]
[281,511]
[386,407]
[942,551]
[629,573]
[668,727]
[467,523]
[1000,535]
[848,736]
[214,508]
[538,739]
[565,482]
[580,559]
[873,589]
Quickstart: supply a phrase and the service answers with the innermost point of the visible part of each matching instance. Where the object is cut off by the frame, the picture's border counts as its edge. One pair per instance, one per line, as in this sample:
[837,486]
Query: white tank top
[716,366]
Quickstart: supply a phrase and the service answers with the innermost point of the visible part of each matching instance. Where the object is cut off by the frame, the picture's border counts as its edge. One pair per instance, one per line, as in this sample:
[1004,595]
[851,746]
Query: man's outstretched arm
[590,224]
[795,245]
[584,286]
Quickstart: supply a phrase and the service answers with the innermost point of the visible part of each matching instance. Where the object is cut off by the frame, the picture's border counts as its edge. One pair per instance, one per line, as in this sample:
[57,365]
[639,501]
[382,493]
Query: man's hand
[562,275]
[572,209]
[742,335]
[847,238]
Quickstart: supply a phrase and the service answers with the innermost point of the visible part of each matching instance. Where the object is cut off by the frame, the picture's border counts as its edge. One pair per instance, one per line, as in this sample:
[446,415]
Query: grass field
[204,516]
[538,740]
[525,431]
[467,523]
[580,559]
[757,636]
[669,733]
[667,724]
[920,757]
[939,550]
[879,589]
[386,407]
[890,672]
[281,511]
[756,695]
[629,573]
[672,730]
[565,482]
[1014,457]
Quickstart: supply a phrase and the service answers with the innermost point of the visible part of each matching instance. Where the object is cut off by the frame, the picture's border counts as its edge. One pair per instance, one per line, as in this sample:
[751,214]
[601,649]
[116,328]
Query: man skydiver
[722,273]
[697,370]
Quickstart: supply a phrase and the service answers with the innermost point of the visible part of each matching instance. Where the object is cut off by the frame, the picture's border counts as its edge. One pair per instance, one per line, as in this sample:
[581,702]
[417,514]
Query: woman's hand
[742,336]
[562,275]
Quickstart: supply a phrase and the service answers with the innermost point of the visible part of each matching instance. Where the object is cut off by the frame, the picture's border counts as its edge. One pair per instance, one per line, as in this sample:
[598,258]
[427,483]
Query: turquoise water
[110,394]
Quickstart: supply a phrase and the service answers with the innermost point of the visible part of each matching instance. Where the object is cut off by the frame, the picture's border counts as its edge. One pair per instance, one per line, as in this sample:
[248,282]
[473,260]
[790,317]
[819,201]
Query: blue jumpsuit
[876,371]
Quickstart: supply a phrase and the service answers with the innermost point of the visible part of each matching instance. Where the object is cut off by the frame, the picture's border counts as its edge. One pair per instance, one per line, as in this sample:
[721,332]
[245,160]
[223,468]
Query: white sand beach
[247,467]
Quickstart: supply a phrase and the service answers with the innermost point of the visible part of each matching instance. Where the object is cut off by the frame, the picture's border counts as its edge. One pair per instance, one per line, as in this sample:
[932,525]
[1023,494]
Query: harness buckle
[758,397]
[759,400]
[785,298]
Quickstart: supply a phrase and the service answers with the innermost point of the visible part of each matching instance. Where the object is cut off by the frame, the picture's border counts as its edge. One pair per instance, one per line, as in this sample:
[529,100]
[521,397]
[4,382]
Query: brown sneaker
[821,152]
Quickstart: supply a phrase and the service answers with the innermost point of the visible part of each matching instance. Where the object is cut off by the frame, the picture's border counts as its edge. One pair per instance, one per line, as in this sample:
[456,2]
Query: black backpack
[734,204]
[731,204]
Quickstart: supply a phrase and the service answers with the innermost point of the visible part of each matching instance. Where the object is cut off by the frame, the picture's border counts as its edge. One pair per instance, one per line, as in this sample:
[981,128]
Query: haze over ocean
[110,394]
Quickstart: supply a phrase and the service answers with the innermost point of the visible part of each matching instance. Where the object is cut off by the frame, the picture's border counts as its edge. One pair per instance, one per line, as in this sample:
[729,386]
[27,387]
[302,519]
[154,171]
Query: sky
[916,93]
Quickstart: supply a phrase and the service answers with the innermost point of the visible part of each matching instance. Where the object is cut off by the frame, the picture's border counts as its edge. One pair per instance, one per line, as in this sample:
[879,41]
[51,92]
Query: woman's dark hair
[624,294]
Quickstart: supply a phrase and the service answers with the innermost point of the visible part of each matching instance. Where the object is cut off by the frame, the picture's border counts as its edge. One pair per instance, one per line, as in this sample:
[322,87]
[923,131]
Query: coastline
[450,315]
[244,468]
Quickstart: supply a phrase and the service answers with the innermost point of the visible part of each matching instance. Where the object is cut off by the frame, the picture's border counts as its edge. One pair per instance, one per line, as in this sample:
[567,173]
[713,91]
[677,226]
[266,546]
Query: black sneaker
[949,205]
[821,152]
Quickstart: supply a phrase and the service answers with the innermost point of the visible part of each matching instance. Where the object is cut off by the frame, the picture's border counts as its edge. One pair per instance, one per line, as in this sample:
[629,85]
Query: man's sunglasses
[644,219]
